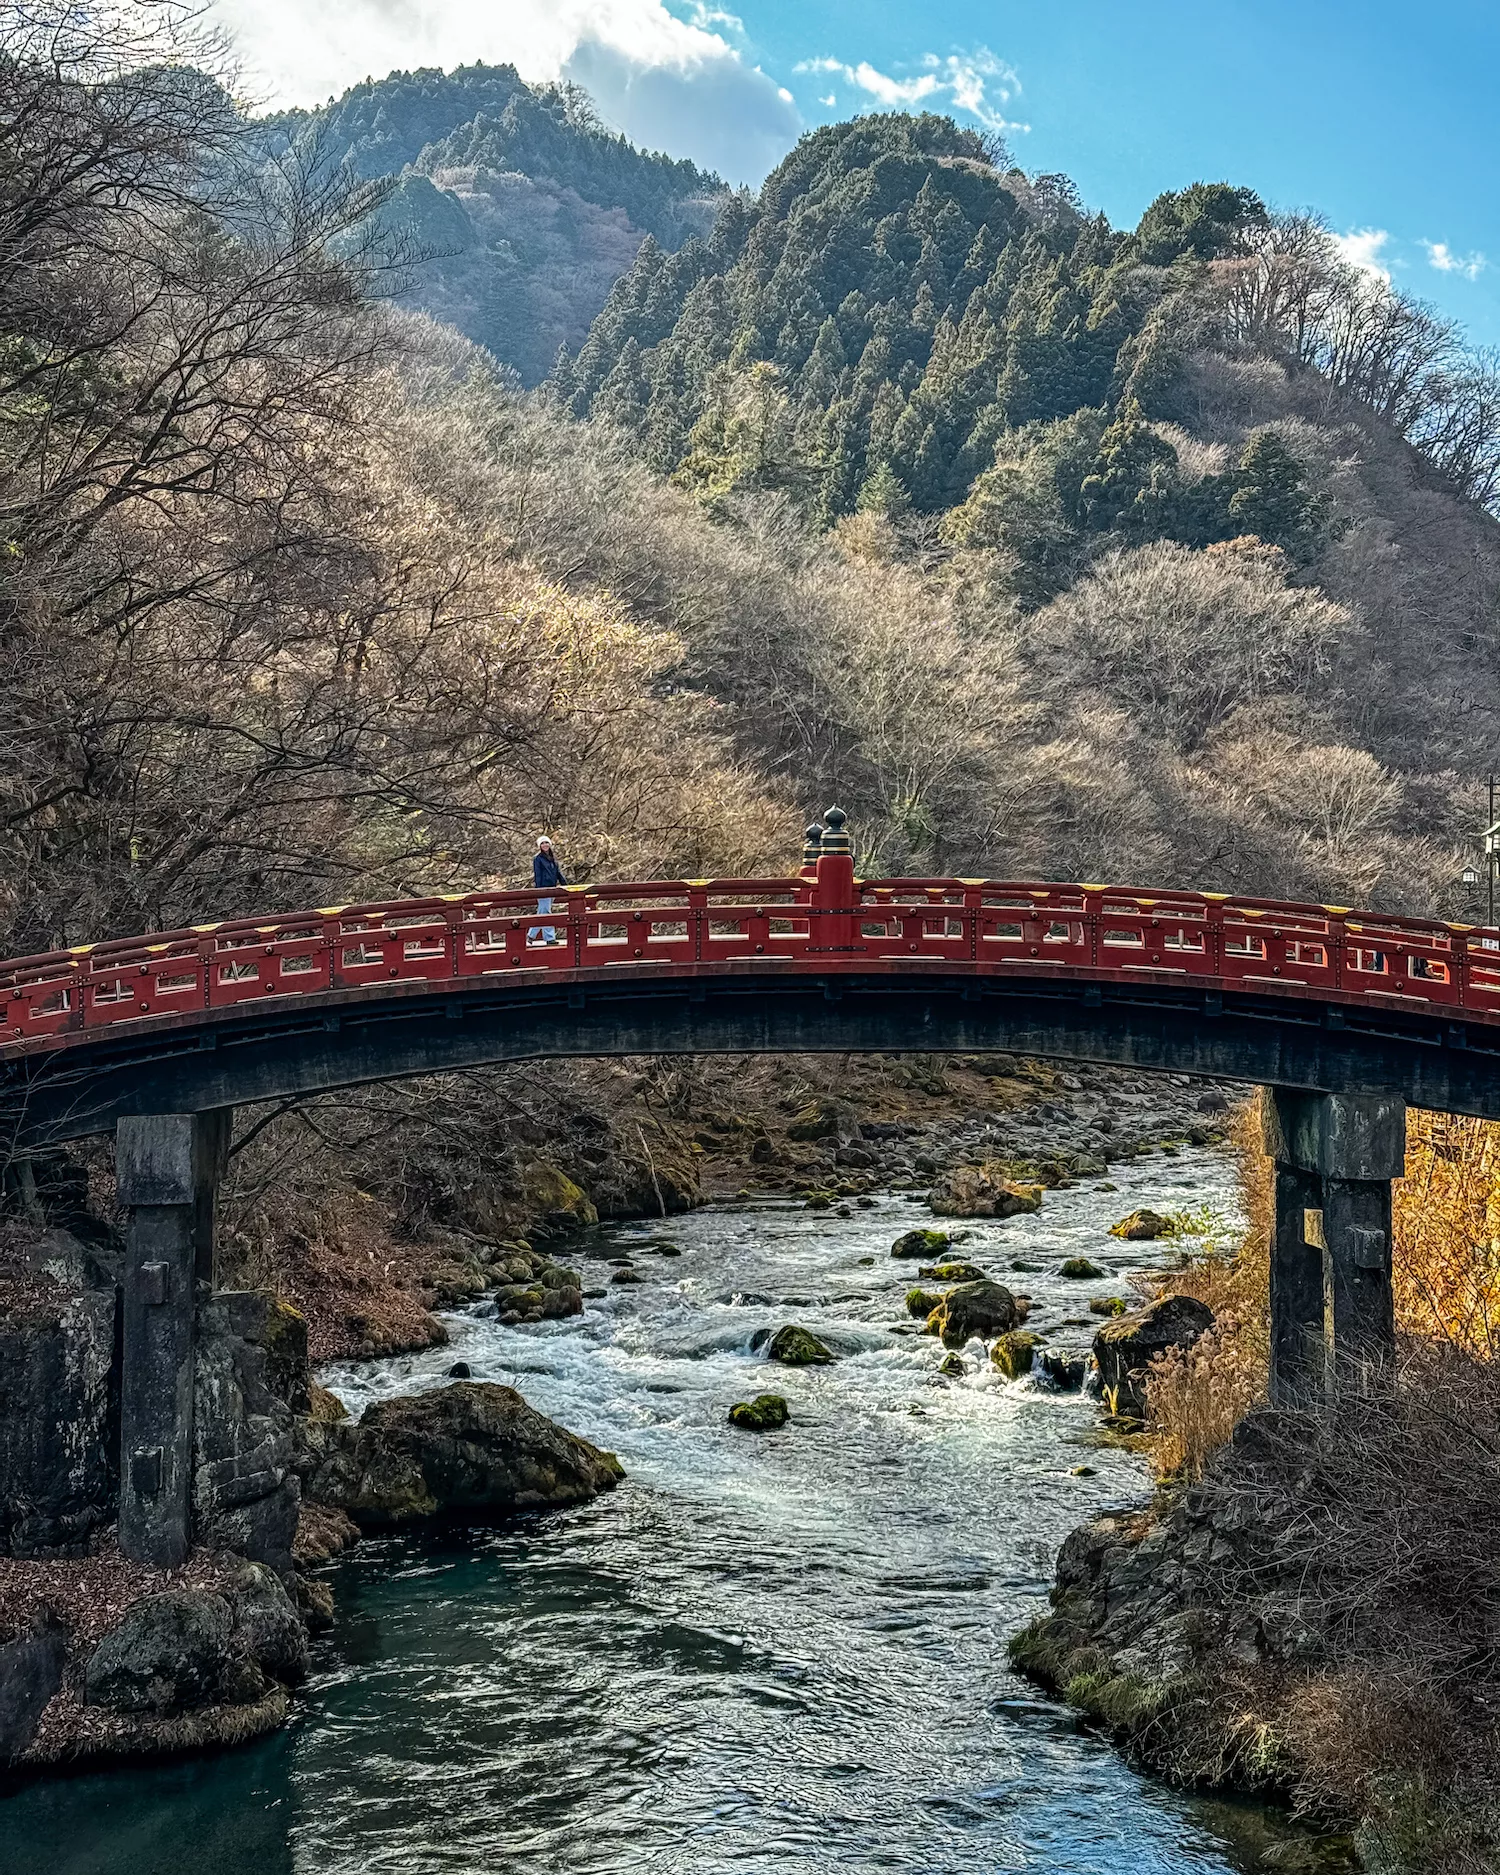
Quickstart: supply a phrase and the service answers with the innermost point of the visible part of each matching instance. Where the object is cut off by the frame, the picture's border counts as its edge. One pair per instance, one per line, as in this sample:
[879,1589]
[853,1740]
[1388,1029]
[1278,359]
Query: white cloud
[976,82]
[1365,248]
[669,83]
[1441,256]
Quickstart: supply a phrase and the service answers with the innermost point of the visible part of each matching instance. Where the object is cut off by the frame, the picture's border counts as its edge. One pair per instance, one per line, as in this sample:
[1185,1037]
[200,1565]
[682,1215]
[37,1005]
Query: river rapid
[762,1653]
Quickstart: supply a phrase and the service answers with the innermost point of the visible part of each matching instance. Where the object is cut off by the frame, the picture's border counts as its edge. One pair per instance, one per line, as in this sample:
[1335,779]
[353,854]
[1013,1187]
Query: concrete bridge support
[1331,1296]
[167,1169]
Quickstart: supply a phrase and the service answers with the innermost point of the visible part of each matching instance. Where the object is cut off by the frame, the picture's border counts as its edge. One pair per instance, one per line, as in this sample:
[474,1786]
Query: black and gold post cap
[812,844]
[835,838]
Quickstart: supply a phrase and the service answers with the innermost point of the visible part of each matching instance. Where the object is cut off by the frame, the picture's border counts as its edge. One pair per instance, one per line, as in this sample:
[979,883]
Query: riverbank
[1313,1620]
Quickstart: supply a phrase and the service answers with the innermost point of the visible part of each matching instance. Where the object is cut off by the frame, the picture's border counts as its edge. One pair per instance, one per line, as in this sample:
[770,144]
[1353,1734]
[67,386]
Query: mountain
[903,321]
[523,206]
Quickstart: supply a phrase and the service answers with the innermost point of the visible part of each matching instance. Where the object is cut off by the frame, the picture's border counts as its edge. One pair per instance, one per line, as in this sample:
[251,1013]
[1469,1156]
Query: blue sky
[1384,118]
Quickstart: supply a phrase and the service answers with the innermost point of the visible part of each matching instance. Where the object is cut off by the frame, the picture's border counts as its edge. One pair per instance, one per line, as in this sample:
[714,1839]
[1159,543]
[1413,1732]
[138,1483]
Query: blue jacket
[545,869]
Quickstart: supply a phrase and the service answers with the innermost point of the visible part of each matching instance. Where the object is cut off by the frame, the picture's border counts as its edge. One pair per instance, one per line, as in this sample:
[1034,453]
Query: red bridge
[182,986]
[1347,1016]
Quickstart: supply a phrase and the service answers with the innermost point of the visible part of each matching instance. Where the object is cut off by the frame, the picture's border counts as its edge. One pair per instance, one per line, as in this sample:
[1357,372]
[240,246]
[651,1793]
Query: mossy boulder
[1015,1352]
[983,1191]
[1108,1305]
[954,1366]
[1126,1348]
[469,1449]
[957,1272]
[921,1303]
[762,1414]
[982,1309]
[1082,1269]
[824,1119]
[921,1243]
[798,1347]
[1142,1226]
[324,1406]
[555,1197]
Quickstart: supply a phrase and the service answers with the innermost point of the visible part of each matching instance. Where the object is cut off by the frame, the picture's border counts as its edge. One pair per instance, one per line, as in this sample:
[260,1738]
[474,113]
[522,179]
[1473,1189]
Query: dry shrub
[1197,1396]
[1366,1555]
[1447,1231]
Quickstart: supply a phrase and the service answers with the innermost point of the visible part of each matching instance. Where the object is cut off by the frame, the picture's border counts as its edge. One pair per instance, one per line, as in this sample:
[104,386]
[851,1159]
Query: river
[763,1653]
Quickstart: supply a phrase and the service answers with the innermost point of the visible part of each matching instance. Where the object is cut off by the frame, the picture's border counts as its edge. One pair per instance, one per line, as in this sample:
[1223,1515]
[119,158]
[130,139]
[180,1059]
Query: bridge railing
[824,919]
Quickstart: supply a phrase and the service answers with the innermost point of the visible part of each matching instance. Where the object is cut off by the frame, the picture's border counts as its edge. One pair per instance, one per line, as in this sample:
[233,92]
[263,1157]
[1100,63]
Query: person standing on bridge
[545,872]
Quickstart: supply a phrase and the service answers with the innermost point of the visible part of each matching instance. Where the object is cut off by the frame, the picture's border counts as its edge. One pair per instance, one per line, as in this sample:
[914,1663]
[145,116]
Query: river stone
[798,1347]
[1125,1348]
[1014,1353]
[984,1309]
[1142,1227]
[1082,1269]
[169,1652]
[921,1243]
[982,1191]
[954,1273]
[921,1303]
[762,1414]
[825,1119]
[953,1365]
[472,1448]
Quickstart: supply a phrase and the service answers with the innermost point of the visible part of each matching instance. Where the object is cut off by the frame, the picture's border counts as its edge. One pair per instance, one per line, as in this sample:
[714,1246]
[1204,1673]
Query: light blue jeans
[546,932]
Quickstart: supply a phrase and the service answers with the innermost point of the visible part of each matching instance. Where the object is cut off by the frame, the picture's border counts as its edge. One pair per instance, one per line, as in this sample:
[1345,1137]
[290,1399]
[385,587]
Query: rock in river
[472,1448]
[1142,1227]
[1082,1269]
[953,1273]
[921,1243]
[762,1414]
[1066,1371]
[798,1347]
[982,1309]
[1014,1353]
[982,1191]
[1126,1347]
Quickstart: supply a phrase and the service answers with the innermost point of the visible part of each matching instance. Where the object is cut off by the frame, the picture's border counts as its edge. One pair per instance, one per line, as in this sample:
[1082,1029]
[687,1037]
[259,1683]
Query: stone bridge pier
[167,1168]
[1332,1308]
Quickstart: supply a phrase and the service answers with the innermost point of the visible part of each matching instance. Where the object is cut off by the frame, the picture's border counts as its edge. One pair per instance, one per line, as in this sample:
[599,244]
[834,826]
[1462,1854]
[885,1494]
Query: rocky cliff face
[251,1386]
[58,1407]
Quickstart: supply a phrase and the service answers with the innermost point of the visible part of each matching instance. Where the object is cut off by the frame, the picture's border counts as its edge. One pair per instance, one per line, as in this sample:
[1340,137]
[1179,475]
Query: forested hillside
[519,206]
[1183,562]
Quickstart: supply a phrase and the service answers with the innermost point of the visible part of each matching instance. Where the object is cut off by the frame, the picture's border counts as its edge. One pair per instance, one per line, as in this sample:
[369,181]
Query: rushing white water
[774,1653]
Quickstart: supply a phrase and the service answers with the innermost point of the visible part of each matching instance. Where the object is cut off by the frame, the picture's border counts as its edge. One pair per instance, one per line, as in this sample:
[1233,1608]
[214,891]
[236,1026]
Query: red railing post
[834,894]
